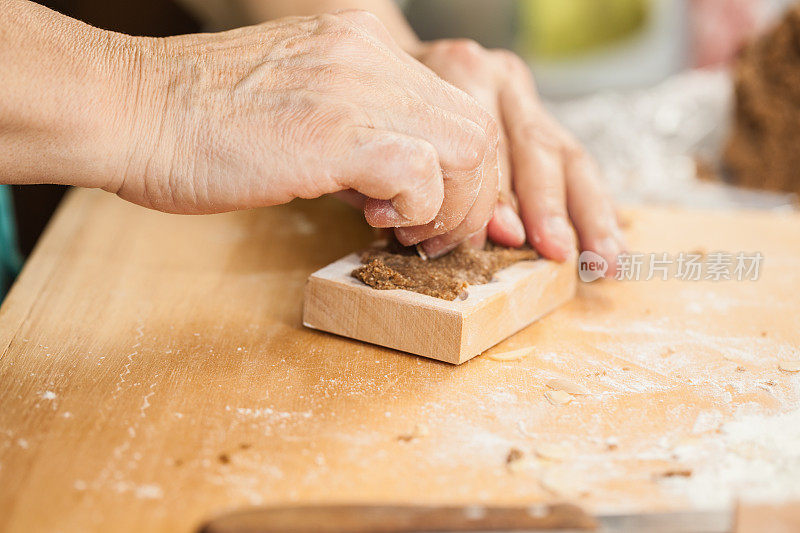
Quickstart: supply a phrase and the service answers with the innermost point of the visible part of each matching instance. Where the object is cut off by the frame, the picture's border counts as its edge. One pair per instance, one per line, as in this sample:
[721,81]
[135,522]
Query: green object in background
[10,258]
[555,29]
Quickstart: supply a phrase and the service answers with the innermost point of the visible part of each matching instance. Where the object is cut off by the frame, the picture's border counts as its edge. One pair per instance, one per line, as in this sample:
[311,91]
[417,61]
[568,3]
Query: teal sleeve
[10,258]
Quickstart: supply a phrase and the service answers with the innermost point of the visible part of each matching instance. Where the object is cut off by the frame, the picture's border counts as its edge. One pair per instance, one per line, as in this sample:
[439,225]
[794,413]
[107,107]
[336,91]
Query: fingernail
[610,249]
[560,233]
[511,221]
[383,214]
[405,236]
[471,152]
[433,247]
[387,217]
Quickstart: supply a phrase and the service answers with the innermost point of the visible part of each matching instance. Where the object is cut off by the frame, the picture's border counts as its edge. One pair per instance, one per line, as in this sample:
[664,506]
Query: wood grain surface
[155,373]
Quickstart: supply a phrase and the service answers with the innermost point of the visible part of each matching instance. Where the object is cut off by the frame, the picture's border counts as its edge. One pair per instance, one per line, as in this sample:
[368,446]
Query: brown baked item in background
[763,150]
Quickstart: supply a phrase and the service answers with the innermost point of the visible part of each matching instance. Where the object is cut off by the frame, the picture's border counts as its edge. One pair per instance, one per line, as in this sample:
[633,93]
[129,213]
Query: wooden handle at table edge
[399,519]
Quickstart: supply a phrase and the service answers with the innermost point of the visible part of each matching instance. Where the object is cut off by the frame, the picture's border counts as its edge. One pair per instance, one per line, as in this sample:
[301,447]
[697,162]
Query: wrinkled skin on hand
[545,175]
[303,107]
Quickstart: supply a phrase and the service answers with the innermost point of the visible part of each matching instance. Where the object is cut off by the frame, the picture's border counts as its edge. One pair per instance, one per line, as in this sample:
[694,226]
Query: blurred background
[645,84]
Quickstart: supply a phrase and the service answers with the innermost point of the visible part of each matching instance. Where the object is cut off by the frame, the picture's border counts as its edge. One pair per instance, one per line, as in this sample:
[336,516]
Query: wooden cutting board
[155,374]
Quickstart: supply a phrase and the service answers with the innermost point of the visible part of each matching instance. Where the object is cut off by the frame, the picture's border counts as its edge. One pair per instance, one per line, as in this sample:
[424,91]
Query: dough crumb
[514,455]
[675,472]
[516,461]
[420,430]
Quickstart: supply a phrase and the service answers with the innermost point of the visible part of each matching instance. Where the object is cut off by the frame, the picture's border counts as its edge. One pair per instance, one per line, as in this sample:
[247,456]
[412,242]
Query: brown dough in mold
[446,277]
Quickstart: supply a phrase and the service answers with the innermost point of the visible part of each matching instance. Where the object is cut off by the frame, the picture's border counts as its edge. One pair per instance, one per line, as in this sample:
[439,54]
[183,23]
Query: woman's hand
[545,175]
[302,107]
[298,107]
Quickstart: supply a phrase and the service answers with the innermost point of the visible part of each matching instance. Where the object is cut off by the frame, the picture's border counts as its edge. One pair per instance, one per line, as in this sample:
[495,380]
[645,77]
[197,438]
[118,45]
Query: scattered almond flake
[513,355]
[561,483]
[558,397]
[551,452]
[789,366]
[567,386]
[420,430]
